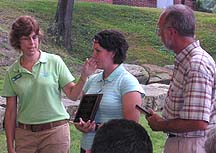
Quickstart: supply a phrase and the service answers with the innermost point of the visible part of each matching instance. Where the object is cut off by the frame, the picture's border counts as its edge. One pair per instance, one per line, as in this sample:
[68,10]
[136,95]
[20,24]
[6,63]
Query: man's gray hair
[181,18]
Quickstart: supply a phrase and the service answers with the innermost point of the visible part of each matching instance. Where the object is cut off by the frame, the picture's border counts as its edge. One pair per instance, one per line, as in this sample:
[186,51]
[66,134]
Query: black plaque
[88,107]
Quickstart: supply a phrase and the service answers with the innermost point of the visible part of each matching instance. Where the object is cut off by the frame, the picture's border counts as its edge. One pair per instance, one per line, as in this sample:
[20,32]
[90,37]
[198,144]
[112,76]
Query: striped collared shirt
[192,90]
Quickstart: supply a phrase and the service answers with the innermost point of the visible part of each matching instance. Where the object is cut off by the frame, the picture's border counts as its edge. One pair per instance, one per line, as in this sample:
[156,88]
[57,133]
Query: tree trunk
[68,24]
[62,26]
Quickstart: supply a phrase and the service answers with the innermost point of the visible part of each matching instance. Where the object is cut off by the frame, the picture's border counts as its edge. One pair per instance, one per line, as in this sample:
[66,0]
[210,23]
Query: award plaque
[88,106]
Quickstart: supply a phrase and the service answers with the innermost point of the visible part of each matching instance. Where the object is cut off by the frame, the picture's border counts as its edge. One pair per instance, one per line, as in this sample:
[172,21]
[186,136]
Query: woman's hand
[88,68]
[85,126]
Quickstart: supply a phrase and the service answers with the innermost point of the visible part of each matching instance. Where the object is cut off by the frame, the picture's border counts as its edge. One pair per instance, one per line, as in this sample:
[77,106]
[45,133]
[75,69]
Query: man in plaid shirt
[190,106]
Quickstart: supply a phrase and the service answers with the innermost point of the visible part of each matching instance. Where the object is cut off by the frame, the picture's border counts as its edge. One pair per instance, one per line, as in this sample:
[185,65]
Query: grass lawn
[158,139]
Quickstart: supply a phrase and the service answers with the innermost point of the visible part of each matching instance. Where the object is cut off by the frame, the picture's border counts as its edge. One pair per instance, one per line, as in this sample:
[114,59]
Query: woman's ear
[113,54]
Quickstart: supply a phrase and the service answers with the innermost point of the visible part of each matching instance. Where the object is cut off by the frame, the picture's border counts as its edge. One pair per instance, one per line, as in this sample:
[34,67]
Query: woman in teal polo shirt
[121,90]
[34,82]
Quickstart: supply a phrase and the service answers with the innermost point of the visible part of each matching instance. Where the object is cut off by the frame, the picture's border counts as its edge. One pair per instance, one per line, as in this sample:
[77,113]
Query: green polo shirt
[39,91]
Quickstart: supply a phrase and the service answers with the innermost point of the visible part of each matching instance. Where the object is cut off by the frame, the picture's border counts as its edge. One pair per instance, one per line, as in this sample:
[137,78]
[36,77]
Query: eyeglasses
[24,38]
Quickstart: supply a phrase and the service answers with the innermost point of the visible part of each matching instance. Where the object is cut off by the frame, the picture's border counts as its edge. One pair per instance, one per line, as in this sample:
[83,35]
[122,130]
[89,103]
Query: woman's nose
[31,40]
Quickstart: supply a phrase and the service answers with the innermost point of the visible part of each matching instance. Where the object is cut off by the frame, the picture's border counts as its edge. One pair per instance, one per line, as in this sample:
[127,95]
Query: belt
[41,127]
[172,135]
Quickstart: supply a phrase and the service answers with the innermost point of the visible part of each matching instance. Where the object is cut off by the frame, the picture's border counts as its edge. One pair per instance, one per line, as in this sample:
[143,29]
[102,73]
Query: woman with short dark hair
[121,90]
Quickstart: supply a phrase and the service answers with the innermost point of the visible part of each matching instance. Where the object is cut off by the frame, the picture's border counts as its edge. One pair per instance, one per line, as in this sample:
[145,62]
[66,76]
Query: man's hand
[154,121]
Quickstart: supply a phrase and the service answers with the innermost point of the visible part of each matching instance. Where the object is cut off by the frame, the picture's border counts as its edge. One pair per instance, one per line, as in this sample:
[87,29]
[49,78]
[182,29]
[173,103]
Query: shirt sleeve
[129,84]
[198,96]
[65,75]
[8,90]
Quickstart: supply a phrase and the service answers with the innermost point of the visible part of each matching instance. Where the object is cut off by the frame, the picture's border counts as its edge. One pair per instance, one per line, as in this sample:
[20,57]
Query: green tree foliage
[207,5]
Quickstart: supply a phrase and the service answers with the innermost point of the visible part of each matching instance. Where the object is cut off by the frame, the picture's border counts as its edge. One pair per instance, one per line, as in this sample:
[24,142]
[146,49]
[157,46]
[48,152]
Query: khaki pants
[185,145]
[55,140]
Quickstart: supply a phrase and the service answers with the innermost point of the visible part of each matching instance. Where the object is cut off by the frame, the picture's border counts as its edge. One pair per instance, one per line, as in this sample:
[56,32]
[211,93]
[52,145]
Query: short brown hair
[23,26]
[113,41]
